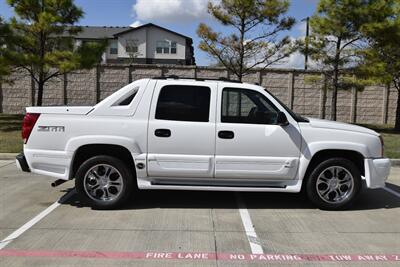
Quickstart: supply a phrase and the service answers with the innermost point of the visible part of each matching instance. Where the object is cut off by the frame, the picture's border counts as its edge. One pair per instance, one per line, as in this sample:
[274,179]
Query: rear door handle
[226,134]
[162,132]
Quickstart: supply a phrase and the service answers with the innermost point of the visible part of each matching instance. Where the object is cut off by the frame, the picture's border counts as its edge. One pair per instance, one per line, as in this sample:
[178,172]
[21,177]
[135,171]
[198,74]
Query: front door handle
[162,132]
[226,134]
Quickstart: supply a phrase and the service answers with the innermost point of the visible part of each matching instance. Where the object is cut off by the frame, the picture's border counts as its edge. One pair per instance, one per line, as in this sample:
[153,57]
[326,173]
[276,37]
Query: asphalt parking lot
[169,228]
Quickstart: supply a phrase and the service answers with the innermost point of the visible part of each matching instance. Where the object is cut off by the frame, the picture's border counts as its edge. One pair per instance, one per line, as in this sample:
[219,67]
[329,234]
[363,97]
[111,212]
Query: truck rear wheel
[334,184]
[104,182]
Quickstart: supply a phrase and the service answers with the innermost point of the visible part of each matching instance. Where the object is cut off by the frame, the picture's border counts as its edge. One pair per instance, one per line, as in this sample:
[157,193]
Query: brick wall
[375,104]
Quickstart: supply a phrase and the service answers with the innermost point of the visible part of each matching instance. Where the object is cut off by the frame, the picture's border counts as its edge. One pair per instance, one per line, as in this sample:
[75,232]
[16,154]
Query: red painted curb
[201,256]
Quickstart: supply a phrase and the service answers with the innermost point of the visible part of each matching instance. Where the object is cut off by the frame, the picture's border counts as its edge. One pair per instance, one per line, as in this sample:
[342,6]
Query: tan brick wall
[81,88]
[138,73]
[392,104]
[85,87]
[111,79]
[16,96]
[180,72]
[306,97]
[370,105]
[53,92]
[277,84]
[211,73]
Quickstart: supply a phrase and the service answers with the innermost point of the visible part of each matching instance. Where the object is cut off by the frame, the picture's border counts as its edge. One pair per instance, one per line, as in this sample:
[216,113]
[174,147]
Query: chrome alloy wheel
[103,182]
[335,184]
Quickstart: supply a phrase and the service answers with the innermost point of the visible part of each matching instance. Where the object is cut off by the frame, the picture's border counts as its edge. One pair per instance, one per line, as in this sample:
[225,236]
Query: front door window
[247,106]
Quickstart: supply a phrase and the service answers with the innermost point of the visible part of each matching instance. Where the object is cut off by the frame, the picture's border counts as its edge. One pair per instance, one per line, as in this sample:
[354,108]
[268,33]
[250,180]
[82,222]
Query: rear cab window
[126,100]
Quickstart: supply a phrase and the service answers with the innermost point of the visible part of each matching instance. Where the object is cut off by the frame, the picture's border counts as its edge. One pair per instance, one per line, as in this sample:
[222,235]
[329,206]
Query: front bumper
[377,172]
[21,162]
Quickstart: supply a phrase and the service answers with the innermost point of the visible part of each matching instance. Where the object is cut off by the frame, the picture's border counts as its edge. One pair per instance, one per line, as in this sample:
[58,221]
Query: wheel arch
[354,156]
[87,151]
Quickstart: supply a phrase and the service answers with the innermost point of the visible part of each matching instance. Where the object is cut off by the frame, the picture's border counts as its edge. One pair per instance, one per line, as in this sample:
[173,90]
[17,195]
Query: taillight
[27,125]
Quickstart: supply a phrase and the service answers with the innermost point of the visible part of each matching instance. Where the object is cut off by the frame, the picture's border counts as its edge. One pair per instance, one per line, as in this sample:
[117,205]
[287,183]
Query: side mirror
[282,119]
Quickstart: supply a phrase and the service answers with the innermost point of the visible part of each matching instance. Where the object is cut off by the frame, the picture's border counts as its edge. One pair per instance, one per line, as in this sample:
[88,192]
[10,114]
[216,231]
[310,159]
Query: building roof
[130,29]
[99,32]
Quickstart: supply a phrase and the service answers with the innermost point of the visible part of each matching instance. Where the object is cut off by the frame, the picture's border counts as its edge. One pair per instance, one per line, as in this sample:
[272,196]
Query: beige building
[148,44]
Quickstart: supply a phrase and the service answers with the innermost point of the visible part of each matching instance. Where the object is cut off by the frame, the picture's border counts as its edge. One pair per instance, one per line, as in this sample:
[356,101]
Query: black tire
[123,173]
[315,195]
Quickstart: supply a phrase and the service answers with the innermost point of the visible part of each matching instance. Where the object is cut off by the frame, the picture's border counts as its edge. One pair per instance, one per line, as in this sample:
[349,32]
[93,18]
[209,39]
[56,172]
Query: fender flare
[75,143]
[313,148]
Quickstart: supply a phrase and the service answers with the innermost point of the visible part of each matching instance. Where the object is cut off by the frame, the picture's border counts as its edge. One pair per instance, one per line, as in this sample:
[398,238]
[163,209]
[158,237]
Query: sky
[182,16]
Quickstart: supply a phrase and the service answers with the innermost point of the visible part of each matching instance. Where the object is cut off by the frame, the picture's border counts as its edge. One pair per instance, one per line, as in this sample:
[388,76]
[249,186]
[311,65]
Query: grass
[390,137]
[10,133]
[11,141]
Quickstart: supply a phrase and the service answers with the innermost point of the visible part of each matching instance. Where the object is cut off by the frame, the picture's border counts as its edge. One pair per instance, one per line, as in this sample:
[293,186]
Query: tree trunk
[1,98]
[40,94]
[335,79]
[397,123]
[241,52]
[334,96]
[41,81]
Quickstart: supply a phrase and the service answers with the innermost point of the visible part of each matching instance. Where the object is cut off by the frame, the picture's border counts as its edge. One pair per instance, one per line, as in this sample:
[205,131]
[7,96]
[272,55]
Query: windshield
[295,116]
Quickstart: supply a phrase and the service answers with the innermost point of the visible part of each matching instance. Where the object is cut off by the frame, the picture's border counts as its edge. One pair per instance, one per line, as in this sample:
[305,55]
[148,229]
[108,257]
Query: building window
[131,46]
[114,47]
[162,47]
[166,47]
[173,47]
[184,103]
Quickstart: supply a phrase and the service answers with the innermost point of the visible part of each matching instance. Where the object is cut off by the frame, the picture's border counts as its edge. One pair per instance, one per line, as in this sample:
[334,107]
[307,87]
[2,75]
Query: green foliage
[336,41]
[335,36]
[4,62]
[254,40]
[42,41]
[381,58]
[89,53]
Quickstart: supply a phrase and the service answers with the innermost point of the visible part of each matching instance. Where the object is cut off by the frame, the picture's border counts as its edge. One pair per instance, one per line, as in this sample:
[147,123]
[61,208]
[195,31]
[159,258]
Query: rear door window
[184,103]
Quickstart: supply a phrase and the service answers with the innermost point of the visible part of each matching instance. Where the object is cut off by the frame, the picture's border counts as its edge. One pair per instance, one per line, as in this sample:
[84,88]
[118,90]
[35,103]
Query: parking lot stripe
[34,220]
[248,226]
[387,189]
[7,164]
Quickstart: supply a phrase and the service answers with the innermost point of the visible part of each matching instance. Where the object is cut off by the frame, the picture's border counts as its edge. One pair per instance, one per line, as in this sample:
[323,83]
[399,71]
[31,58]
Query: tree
[42,40]
[255,40]
[336,40]
[381,59]
[4,62]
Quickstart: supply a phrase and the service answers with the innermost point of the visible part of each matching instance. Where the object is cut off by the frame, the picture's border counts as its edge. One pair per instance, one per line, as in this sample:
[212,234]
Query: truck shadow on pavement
[168,199]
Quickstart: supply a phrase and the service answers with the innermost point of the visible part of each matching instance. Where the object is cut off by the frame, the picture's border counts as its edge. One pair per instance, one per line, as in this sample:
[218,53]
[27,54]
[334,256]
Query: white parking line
[7,164]
[34,220]
[391,191]
[248,227]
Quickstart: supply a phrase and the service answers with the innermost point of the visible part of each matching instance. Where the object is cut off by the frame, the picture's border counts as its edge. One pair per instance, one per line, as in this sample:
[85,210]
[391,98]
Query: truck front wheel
[104,182]
[334,184]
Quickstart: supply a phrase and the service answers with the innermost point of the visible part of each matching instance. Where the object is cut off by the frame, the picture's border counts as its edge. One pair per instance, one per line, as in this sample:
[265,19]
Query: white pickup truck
[193,134]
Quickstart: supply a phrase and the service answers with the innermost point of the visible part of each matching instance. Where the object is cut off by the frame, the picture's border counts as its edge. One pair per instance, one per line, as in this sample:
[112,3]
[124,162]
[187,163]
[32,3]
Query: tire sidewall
[126,174]
[312,180]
